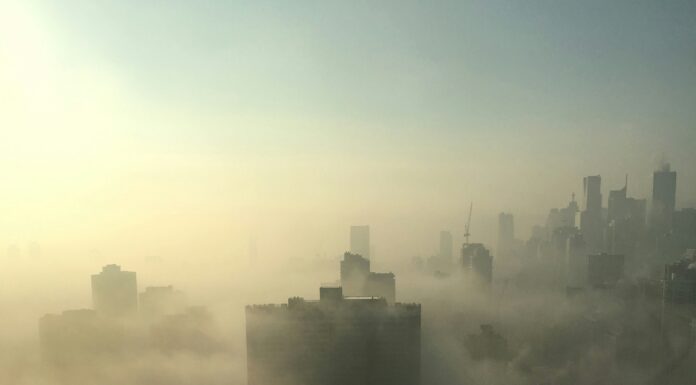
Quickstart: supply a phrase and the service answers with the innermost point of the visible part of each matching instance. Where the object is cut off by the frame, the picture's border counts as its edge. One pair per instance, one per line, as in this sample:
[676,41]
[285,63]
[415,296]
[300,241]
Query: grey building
[336,340]
[358,281]
[115,292]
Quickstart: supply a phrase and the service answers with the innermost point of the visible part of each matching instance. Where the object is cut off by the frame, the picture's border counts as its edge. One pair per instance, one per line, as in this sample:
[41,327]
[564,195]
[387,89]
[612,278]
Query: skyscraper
[663,199]
[506,234]
[446,246]
[591,223]
[360,240]
[115,292]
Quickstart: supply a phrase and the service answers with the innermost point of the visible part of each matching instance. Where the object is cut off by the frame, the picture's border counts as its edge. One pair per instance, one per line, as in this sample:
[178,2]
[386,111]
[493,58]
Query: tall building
[680,280]
[355,271]
[446,246]
[591,223]
[664,196]
[358,281]
[360,240]
[336,340]
[625,223]
[115,292]
[506,234]
[477,262]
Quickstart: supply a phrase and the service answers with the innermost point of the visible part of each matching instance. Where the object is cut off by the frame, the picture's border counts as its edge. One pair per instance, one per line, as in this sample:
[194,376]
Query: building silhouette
[360,240]
[664,196]
[115,292]
[336,340]
[446,246]
[506,234]
[680,280]
[358,281]
[477,262]
[591,223]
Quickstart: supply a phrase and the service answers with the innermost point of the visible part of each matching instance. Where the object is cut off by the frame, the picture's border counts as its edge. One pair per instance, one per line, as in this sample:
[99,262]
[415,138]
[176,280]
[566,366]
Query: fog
[225,149]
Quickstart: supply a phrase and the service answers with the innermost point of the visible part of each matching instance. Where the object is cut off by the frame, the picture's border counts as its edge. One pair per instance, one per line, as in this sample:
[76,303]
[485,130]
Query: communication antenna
[467,234]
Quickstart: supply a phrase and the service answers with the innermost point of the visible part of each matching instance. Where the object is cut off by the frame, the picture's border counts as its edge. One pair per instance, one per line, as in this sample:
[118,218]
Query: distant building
[625,223]
[358,281]
[576,261]
[78,336]
[680,280]
[115,292]
[446,246]
[381,285]
[506,234]
[354,272]
[336,340]
[604,270]
[477,261]
[591,223]
[360,240]
[664,196]
[158,301]
[684,228]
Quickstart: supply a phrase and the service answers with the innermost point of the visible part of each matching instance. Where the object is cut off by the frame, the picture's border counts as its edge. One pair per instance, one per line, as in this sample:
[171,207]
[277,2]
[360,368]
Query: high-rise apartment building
[115,292]
[336,340]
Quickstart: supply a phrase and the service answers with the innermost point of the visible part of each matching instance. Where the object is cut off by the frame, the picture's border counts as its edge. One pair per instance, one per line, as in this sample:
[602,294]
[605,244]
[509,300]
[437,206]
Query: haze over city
[239,154]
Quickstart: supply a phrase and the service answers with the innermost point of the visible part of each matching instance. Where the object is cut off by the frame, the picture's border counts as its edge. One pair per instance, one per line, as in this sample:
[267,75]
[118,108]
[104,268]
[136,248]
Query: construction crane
[468,225]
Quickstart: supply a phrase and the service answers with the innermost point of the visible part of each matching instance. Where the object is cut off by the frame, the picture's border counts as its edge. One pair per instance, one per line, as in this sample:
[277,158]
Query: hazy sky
[135,128]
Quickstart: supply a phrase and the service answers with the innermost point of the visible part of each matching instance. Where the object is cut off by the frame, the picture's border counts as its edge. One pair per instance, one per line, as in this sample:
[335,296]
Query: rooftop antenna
[467,234]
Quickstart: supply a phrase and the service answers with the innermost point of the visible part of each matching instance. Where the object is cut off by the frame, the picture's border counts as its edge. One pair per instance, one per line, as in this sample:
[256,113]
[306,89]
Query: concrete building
[604,270]
[76,337]
[358,281]
[664,196]
[360,240]
[115,292]
[680,280]
[477,262]
[591,223]
[337,340]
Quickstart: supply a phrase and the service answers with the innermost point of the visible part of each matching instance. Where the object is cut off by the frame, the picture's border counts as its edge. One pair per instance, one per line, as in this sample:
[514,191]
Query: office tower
[591,223]
[115,292]
[477,262]
[663,199]
[446,246]
[358,281]
[625,223]
[604,270]
[506,234]
[158,301]
[336,340]
[360,240]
